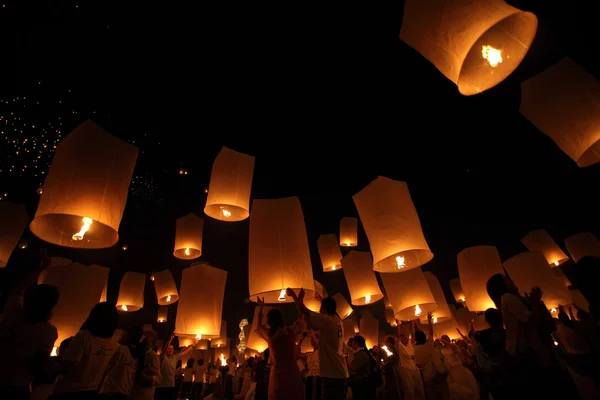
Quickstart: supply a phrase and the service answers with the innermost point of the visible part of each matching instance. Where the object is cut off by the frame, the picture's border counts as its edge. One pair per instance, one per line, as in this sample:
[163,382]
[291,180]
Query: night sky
[326,97]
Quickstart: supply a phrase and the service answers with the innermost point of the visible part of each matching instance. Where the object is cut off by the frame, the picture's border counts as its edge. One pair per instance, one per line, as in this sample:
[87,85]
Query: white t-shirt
[92,355]
[200,371]
[406,354]
[313,364]
[424,354]
[188,374]
[168,366]
[120,373]
[515,314]
[331,344]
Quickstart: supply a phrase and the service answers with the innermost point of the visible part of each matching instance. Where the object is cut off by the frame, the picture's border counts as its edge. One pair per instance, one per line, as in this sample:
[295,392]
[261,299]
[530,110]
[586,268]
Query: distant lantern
[361,280]
[255,341]
[562,102]
[348,232]
[474,44]
[540,240]
[476,265]
[131,292]
[409,294]
[369,329]
[166,290]
[311,302]
[163,313]
[230,185]
[350,329]
[392,225]
[279,256]
[201,302]
[343,308]
[86,190]
[330,253]
[80,289]
[14,220]
[442,312]
[562,277]
[530,269]
[583,245]
[188,237]
[220,341]
[448,328]
[457,290]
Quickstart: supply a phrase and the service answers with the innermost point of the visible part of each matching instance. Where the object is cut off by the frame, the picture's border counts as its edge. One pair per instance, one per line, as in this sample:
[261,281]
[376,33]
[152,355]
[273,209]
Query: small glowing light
[218,344]
[187,252]
[367,299]
[553,310]
[556,263]
[168,298]
[223,361]
[198,336]
[555,343]
[462,299]
[87,222]
[226,213]
[435,320]
[54,352]
[161,320]
[124,247]
[349,312]
[389,353]
[152,278]
[205,190]
[333,267]
[281,295]
[417,311]
[400,262]
[492,55]
[124,307]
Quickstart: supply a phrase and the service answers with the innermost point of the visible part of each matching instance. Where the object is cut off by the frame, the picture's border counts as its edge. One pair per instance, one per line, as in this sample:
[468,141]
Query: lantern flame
[556,263]
[348,244]
[223,361]
[435,320]
[349,312]
[367,299]
[389,353]
[333,267]
[198,336]
[87,222]
[124,307]
[152,278]
[553,311]
[400,262]
[187,252]
[54,352]
[282,295]
[492,55]
[226,213]
[168,298]
[417,311]
[463,299]
[218,344]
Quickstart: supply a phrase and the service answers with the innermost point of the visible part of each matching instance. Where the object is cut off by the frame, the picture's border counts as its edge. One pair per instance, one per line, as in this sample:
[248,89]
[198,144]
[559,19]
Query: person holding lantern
[166,389]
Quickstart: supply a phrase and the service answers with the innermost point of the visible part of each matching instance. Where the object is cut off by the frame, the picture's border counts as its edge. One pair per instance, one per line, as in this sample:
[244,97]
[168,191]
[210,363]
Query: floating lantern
[350,329]
[583,245]
[230,184]
[255,341]
[562,102]
[311,302]
[448,328]
[540,240]
[390,317]
[457,291]
[221,341]
[166,290]
[360,278]
[342,307]
[476,265]
[14,220]
[278,256]
[163,313]
[86,190]
[131,292]
[530,269]
[80,288]
[348,232]
[330,253]
[201,301]
[409,294]
[369,329]
[307,346]
[562,277]
[188,238]
[392,226]
[442,313]
[463,317]
[475,45]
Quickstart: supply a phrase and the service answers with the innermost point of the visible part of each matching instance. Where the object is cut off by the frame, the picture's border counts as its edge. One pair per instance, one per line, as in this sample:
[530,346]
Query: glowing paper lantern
[330,253]
[342,307]
[311,302]
[442,313]
[278,255]
[166,290]
[463,317]
[530,269]
[369,329]
[409,294]
[131,292]
[392,225]
[448,328]
[103,296]
[350,329]
[188,238]
[80,288]
[562,102]
[562,277]
[307,346]
[475,266]
[255,341]
[360,278]
[457,291]
[163,313]
[14,220]
[230,184]
[201,301]
[583,245]
[86,190]
[348,232]
[221,341]
[390,317]
[474,44]
[540,240]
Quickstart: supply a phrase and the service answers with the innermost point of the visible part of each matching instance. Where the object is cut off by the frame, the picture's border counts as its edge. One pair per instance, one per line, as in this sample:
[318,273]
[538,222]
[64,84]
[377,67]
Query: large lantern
[131,292]
[442,313]
[311,302]
[457,290]
[166,290]
[447,327]
[540,240]
[350,329]
[86,190]
[80,289]
[409,294]
[343,309]
[390,317]
[348,232]
[14,220]
[562,102]
[476,265]
[188,237]
[330,253]
[582,245]
[163,313]
[201,302]
[392,225]
[221,341]
[278,256]
[562,277]
[360,278]
[474,44]
[255,341]
[369,329]
[230,184]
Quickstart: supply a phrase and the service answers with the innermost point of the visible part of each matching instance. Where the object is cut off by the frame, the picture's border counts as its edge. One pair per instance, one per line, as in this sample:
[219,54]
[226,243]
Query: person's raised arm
[299,300]
[189,348]
[413,324]
[261,329]
[163,353]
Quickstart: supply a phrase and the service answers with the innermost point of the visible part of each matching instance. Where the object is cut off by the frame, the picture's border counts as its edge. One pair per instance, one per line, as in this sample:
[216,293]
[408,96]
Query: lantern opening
[435,320]
[403,260]
[168,299]
[124,307]
[367,299]
[199,336]
[281,295]
[333,267]
[57,229]
[54,352]
[226,212]
[187,253]
[161,320]
[417,311]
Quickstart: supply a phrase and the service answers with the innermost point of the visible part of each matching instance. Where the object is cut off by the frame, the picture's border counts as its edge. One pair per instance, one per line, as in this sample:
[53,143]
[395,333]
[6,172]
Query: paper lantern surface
[342,307]
[230,185]
[369,329]
[255,341]
[457,291]
[188,237]
[392,225]
[442,312]
[220,341]
[201,301]
[540,240]
[89,178]
[474,44]
[563,102]
[448,328]
[311,302]
[329,252]
[560,275]
[530,269]
[390,317]
[278,251]
[407,291]
[131,292]
[348,232]
[582,245]
[476,265]
[165,288]
[579,300]
[14,220]
[361,280]
[350,329]
[163,313]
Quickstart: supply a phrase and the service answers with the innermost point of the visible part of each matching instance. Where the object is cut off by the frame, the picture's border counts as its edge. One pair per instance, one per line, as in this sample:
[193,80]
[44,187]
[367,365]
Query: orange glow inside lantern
[344,310]
[348,232]
[457,291]
[409,294]
[162,314]
[442,313]
[475,266]
[14,220]
[540,240]
[188,237]
[369,329]
[131,292]
[255,341]
[582,245]
[222,339]
[361,280]
[329,252]
[165,288]
[350,328]
[311,302]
